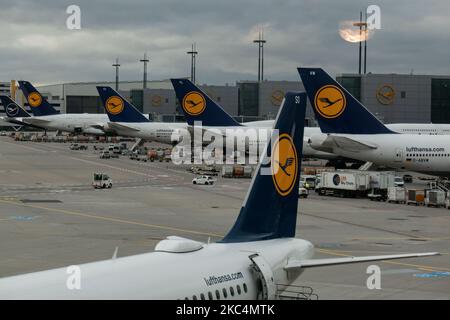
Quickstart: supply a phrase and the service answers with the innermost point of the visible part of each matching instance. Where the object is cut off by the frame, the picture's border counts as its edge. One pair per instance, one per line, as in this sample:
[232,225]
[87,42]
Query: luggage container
[415,196]
[227,171]
[396,194]
[435,198]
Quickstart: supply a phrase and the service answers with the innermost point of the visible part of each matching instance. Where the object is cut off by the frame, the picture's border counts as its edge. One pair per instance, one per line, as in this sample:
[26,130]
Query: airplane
[350,130]
[198,106]
[126,120]
[214,116]
[46,116]
[259,251]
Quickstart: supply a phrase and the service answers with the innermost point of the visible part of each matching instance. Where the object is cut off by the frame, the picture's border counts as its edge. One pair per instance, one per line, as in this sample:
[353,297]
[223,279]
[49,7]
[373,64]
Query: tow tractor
[101,180]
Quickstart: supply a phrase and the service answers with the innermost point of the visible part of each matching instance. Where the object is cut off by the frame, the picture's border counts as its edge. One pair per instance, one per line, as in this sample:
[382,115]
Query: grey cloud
[37,46]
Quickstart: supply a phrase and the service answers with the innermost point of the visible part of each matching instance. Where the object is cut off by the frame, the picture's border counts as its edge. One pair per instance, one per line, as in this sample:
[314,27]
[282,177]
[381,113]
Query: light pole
[145,61]
[260,43]
[117,65]
[362,27]
[193,53]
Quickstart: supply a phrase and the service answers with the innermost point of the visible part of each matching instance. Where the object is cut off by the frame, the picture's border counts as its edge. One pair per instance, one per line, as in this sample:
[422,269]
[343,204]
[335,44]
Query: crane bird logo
[114,105]
[34,99]
[330,102]
[284,164]
[194,103]
[12,110]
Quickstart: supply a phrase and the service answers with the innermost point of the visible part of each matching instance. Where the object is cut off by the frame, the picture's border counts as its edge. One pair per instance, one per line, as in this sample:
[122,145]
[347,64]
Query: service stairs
[443,185]
[139,143]
[294,292]
[367,166]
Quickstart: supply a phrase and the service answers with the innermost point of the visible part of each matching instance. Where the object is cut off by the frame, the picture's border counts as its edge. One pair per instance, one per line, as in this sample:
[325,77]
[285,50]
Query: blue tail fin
[12,109]
[269,210]
[336,110]
[197,106]
[39,105]
[117,108]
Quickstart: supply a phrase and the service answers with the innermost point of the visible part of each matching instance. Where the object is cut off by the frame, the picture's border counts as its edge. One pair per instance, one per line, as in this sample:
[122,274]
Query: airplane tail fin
[118,108]
[269,210]
[39,105]
[336,110]
[12,109]
[197,106]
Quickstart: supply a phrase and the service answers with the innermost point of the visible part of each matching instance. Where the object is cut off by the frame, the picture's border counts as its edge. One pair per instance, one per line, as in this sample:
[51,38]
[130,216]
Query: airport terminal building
[393,98]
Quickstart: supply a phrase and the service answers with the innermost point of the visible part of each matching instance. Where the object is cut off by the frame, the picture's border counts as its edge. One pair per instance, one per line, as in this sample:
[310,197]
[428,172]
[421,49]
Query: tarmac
[50,216]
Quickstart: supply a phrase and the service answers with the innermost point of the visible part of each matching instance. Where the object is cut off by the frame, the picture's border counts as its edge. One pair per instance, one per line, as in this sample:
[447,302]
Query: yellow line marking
[92,216]
[418,266]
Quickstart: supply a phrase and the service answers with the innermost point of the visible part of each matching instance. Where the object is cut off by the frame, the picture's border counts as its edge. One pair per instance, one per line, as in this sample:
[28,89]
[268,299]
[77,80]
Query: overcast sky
[36,45]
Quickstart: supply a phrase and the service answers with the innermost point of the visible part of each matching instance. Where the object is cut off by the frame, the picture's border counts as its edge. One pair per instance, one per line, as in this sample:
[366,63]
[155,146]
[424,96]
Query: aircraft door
[398,155]
[264,277]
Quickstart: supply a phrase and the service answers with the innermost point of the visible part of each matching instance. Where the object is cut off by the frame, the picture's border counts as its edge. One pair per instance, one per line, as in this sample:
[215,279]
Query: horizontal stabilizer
[309,263]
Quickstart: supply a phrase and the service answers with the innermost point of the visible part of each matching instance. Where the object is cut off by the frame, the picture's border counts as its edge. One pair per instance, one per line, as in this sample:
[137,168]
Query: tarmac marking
[418,266]
[26,147]
[86,215]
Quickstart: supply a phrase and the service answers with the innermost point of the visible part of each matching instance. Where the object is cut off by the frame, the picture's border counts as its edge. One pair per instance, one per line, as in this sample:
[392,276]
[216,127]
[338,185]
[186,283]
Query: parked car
[302,192]
[206,180]
[74,146]
[101,180]
[105,155]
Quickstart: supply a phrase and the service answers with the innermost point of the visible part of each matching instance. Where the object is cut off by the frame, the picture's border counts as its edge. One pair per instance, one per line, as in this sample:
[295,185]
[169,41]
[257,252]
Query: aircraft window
[217,294]
[194,297]
[238,289]
[202,296]
[232,291]
[224,291]
[245,287]
[210,296]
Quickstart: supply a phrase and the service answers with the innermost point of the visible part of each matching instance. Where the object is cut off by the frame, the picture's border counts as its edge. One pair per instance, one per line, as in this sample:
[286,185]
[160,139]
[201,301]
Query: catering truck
[344,184]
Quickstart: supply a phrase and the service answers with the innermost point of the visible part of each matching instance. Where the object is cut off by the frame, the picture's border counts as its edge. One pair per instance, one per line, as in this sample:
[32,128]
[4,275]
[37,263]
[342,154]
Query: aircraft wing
[332,142]
[346,143]
[20,122]
[99,126]
[309,263]
[121,127]
[35,121]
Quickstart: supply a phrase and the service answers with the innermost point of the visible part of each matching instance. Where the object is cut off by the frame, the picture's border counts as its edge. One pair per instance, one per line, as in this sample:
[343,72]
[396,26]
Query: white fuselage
[88,123]
[163,132]
[429,154]
[166,275]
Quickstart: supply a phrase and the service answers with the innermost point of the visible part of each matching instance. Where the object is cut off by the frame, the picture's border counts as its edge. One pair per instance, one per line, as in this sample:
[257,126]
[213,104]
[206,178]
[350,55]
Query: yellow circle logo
[330,102]
[277,97]
[156,101]
[34,99]
[194,103]
[284,164]
[386,94]
[114,105]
